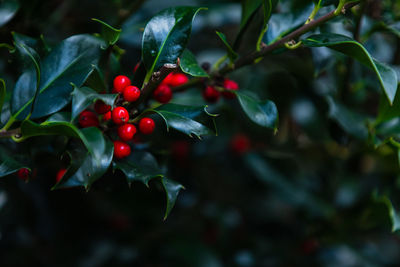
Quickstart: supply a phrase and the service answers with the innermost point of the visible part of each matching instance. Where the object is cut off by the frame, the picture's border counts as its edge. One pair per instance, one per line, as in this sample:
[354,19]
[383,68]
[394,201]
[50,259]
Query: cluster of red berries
[212,94]
[163,93]
[119,116]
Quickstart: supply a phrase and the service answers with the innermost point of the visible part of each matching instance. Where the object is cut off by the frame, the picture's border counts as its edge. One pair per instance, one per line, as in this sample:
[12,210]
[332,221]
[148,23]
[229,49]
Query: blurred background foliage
[319,192]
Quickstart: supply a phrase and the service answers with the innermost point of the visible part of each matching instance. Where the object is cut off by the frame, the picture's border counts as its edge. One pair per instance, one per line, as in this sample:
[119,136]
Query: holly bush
[272,126]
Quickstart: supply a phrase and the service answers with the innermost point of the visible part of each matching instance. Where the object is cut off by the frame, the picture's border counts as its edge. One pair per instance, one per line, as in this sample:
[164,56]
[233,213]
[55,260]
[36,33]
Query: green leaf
[172,189]
[84,96]
[139,166]
[70,62]
[166,36]
[95,80]
[91,166]
[88,136]
[186,119]
[263,113]
[352,122]
[8,165]
[8,9]
[3,92]
[387,111]
[229,50]
[108,33]
[31,60]
[386,75]
[190,66]
[393,214]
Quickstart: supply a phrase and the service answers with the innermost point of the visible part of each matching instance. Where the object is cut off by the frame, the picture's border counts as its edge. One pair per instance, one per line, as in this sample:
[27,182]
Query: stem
[314,12]
[10,133]
[249,59]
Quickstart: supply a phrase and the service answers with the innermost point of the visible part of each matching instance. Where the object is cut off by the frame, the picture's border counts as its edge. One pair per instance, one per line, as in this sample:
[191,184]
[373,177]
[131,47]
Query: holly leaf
[189,65]
[108,33]
[92,166]
[3,92]
[166,36]
[393,214]
[352,122]
[8,165]
[229,50]
[139,166]
[8,9]
[386,75]
[172,189]
[186,119]
[263,113]
[70,62]
[84,96]
[95,80]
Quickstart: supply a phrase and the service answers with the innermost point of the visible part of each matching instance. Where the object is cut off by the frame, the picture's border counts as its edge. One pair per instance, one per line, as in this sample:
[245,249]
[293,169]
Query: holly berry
[163,93]
[120,115]
[240,144]
[121,149]
[232,86]
[131,93]
[146,125]
[120,82]
[107,116]
[100,107]
[167,80]
[178,79]
[23,174]
[88,119]
[60,174]
[126,132]
[211,94]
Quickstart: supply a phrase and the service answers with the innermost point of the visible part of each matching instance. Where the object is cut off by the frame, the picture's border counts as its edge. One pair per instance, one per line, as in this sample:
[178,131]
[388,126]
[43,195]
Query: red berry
[107,116]
[146,126]
[211,94]
[23,174]
[100,107]
[120,82]
[60,174]
[167,80]
[126,131]
[88,119]
[131,93]
[121,149]
[240,144]
[163,93]
[120,115]
[178,79]
[232,86]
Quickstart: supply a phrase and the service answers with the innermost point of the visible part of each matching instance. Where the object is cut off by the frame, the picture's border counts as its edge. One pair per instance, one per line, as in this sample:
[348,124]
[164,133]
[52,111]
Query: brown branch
[155,80]
[10,133]
[249,59]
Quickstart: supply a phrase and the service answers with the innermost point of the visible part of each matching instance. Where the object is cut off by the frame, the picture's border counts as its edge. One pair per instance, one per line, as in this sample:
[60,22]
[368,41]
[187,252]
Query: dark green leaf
[393,214]
[229,50]
[165,37]
[172,189]
[3,92]
[185,119]
[386,75]
[95,80]
[70,62]
[24,39]
[92,166]
[387,111]
[352,122]
[263,113]
[8,165]
[248,9]
[8,8]
[190,66]
[108,33]
[84,96]
[139,166]
[89,136]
